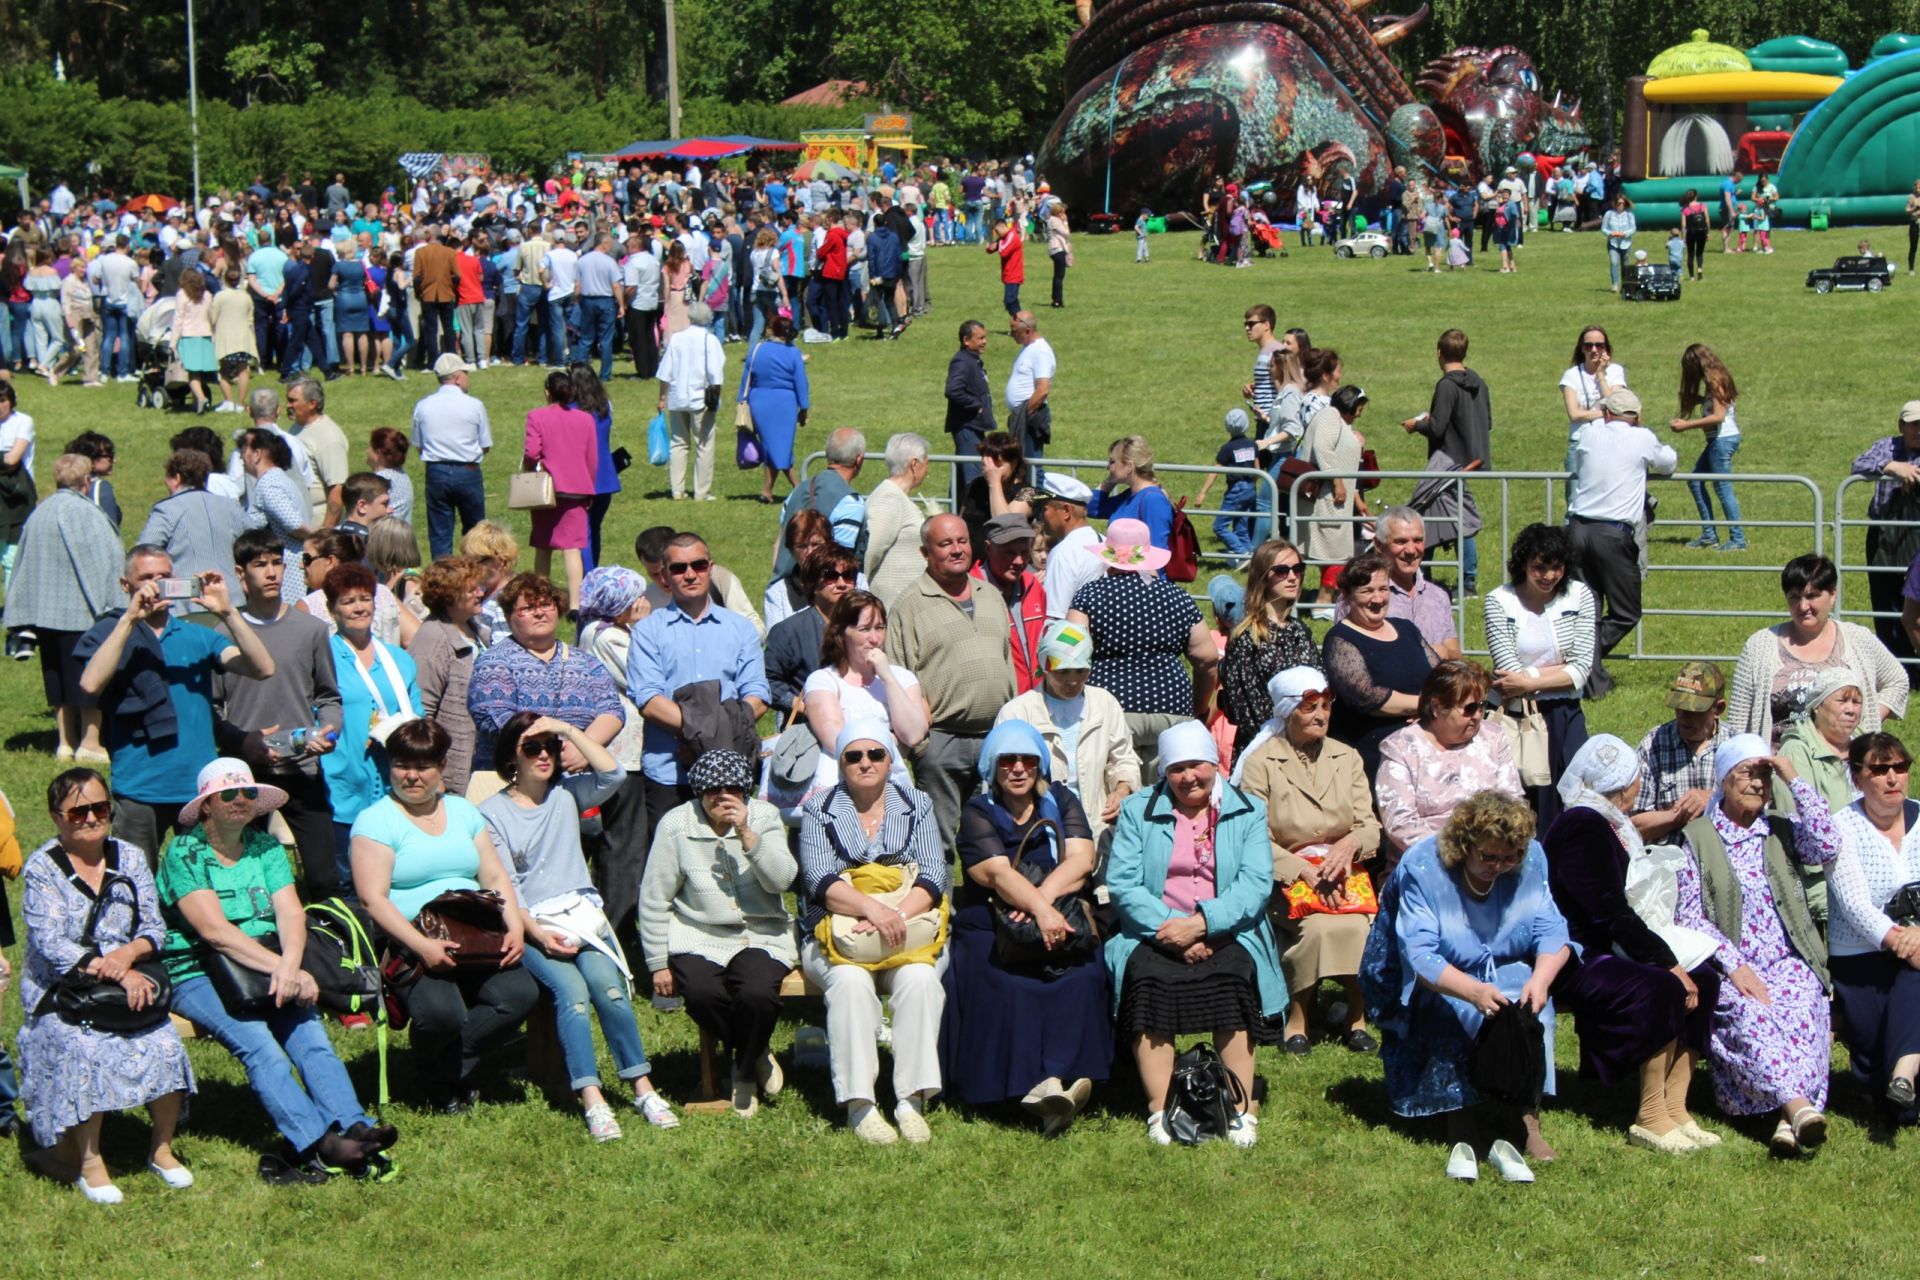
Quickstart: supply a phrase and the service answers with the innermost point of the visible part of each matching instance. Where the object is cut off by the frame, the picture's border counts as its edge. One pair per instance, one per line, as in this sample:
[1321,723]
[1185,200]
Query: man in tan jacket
[436,280]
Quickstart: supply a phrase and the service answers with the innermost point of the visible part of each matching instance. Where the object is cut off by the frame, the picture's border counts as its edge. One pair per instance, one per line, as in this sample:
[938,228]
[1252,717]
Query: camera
[178,588]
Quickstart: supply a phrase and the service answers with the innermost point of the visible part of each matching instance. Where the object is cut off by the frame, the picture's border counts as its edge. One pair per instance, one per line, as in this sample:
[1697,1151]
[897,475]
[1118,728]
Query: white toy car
[1371,243]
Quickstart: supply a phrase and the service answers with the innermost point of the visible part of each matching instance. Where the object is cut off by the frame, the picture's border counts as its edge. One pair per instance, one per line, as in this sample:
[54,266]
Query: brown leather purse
[473,920]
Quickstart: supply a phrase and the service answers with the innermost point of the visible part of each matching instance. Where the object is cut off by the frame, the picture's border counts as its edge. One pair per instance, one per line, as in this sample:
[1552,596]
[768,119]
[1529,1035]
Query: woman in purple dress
[1772,1032]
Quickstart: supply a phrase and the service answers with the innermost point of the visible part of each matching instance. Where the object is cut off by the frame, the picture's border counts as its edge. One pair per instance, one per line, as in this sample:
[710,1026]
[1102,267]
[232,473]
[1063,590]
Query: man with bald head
[950,630]
[1029,384]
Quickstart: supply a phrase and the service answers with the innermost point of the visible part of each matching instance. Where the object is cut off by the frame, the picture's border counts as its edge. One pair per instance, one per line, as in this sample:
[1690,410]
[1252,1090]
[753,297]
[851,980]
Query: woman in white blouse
[1591,378]
[1540,631]
[1874,942]
[857,682]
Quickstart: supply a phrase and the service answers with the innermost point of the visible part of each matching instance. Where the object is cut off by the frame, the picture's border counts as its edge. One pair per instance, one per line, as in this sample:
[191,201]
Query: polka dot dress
[1140,627]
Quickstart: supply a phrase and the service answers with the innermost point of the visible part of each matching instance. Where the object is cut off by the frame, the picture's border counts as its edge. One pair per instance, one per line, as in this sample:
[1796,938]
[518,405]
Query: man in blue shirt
[689,641]
[453,433]
[1729,208]
[153,676]
[776,193]
[794,252]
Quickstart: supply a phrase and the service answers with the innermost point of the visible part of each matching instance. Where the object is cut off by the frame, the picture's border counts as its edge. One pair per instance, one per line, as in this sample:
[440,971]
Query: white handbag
[530,491]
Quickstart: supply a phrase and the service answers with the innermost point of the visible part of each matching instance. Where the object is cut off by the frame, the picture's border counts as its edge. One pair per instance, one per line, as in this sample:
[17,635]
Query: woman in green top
[223,887]
[1825,718]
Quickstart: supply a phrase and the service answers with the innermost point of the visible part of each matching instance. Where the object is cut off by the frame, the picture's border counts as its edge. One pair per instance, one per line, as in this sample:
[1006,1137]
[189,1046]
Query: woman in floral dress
[1772,1031]
[1267,640]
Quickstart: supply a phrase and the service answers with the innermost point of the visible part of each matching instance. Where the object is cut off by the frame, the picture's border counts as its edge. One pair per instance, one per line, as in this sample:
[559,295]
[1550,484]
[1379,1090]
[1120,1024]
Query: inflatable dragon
[1167,95]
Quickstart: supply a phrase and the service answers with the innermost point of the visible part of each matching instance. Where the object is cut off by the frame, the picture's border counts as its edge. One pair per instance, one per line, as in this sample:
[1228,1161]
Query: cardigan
[704,895]
[1587,874]
[1104,757]
[1865,875]
[893,561]
[1573,616]
[1881,678]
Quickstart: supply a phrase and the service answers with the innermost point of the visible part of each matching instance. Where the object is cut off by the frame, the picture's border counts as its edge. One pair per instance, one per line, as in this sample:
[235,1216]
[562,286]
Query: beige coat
[1106,757]
[893,561]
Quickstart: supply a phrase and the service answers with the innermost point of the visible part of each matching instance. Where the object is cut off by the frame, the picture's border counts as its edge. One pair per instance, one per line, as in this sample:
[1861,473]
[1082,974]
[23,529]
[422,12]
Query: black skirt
[1163,996]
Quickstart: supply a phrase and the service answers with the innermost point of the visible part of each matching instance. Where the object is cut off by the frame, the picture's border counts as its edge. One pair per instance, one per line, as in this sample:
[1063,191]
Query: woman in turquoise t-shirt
[408,849]
[223,888]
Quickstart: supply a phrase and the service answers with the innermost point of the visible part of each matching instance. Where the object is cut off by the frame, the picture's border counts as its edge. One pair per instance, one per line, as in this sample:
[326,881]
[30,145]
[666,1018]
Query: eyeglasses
[1499,859]
[872,755]
[537,606]
[839,575]
[1025,762]
[1594,346]
[1290,570]
[694,568]
[81,812]
[230,794]
[1898,767]
[544,745]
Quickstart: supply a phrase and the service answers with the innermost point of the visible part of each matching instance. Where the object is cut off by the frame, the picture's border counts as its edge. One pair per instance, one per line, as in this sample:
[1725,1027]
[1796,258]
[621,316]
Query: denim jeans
[765,302]
[1617,262]
[400,329]
[532,302]
[857,286]
[272,1046]
[452,486]
[9,1091]
[1233,531]
[116,327]
[574,983]
[596,330]
[20,343]
[323,320]
[1717,458]
[559,314]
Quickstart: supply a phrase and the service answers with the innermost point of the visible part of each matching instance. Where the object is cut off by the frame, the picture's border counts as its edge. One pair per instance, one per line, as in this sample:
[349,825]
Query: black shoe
[1298,1046]
[285,1168]
[334,375]
[1900,1092]
[377,1136]
[454,1104]
[1358,1041]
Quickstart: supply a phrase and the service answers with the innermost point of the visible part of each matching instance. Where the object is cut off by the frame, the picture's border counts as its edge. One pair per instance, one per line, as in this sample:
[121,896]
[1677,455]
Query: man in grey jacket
[196,527]
[1458,427]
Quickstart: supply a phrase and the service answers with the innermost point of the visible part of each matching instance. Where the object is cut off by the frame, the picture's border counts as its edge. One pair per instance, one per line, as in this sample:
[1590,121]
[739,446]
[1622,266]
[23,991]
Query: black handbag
[1903,908]
[241,989]
[82,1000]
[1509,1059]
[1203,1098]
[1017,944]
[339,956]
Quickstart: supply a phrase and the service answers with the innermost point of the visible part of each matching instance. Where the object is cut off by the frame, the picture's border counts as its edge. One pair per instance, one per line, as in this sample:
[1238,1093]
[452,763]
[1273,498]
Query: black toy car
[1872,274]
[1650,282]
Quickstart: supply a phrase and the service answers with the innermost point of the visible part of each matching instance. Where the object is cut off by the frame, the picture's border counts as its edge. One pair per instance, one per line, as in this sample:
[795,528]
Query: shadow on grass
[38,741]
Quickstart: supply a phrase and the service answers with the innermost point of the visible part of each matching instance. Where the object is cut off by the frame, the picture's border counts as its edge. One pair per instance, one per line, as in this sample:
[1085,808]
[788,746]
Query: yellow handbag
[926,932]
[10,862]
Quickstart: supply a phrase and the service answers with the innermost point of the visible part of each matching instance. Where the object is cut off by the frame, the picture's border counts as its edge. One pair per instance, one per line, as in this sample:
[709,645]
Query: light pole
[673,75]
[193,107]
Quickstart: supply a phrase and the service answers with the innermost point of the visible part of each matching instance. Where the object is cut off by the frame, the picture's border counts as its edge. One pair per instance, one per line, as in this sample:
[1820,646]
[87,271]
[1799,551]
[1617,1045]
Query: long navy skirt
[1006,1031]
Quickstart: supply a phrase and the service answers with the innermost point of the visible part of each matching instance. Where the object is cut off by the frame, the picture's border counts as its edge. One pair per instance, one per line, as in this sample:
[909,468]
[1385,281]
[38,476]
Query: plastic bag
[659,444]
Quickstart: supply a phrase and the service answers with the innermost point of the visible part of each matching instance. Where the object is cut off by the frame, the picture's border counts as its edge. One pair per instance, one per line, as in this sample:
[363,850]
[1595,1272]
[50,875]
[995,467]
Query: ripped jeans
[575,983]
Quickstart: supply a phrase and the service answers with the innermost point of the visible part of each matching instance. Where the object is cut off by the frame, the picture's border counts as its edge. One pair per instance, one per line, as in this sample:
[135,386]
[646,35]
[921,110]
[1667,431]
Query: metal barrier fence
[1552,499]
[1872,533]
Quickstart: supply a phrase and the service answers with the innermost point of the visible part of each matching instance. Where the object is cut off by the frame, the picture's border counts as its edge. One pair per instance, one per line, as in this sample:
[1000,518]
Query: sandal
[1809,1127]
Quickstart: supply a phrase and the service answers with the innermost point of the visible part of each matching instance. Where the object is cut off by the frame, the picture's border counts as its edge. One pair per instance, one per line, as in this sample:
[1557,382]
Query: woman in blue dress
[774,385]
[1467,926]
[1038,1033]
[351,314]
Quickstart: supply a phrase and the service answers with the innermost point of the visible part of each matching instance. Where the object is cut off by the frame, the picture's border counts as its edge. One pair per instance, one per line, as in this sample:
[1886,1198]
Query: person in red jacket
[1009,544]
[833,280]
[1013,264]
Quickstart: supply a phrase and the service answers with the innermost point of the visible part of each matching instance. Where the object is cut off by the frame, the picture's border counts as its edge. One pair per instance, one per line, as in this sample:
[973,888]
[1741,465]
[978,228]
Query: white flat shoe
[911,1116]
[1157,1130]
[1244,1131]
[870,1126]
[178,1178]
[1699,1137]
[1674,1142]
[108,1194]
[771,1079]
[1461,1165]
[1508,1162]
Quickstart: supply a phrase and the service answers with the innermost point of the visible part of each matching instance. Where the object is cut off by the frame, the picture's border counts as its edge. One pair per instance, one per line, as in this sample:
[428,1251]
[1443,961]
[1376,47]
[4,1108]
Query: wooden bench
[711,1099]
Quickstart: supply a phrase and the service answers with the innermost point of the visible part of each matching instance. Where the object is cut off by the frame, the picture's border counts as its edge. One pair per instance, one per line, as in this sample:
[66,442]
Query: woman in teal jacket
[1189,874]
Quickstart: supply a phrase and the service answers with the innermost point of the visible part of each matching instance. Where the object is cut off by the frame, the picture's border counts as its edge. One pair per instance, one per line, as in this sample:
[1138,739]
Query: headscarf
[1012,738]
[1733,753]
[1605,764]
[1286,688]
[1189,742]
[1824,686]
[607,592]
[1066,646]
[864,729]
[718,770]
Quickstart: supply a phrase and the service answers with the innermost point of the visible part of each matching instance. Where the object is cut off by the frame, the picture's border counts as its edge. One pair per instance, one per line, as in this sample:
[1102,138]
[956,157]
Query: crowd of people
[1027,812]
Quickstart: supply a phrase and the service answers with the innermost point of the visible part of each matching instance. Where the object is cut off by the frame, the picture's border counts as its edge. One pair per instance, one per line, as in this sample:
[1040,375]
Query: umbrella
[149,204]
[826,170]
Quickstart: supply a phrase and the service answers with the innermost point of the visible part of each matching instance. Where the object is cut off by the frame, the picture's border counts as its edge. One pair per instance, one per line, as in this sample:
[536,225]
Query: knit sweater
[1879,675]
[704,895]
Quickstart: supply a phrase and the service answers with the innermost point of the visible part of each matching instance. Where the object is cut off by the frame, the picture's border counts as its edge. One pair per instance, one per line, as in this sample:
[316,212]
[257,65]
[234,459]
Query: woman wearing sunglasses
[1268,639]
[72,1075]
[224,886]
[869,821]
[571,951]
[1320,823]
[1591,378]
[1429,767]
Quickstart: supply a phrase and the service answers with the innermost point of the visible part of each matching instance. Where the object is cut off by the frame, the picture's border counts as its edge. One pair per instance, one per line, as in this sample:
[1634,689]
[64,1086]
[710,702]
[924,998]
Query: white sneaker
[768,1075]
[1461,1165]
[1244,1131]
[911,1116]
[1508,1162]
[601,1126]
[869,1125]
[1157,1130]
[654,1109]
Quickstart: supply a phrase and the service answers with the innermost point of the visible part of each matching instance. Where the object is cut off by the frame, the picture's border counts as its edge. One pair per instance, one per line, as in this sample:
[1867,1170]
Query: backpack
[1183,544]
[1697,219]
[344,962]
[1203,1098]
[768,275]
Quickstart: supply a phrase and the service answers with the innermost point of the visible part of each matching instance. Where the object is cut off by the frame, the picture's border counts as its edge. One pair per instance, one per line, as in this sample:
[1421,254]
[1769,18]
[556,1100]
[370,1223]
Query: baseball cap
[1060,485]
[1011,527]
[449,364]
[1698,687]
[1622,401]
[1910,411]
[1236,422]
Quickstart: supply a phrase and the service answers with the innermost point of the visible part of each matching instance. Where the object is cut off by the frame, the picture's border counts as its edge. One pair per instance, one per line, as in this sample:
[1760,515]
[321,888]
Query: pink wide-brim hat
[224,774]
[1129,546]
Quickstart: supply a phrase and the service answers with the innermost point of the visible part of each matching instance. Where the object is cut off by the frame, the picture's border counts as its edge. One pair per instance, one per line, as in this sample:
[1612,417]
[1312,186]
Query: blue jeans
[596,330]
[1616,262]
[21,346]
[329,336]
[272,1046]
[574,983]
[9,1090]
[115,325]
[532,299]
[453,486]
[719,326]
[1234,531]
[400,329]
[1717,458]
[559,315]
[765,302]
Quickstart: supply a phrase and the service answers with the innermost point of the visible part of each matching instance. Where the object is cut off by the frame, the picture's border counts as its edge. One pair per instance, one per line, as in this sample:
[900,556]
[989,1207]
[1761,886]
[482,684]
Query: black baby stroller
[1650,282]
[163,379]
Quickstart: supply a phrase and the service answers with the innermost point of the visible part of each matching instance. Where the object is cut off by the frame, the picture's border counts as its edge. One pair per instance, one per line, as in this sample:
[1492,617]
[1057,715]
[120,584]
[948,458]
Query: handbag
[1017,944]
[1357,891]
[1903,908]
[241,989]
[79,998]
[622,459]
[793,764]
[531,491]
[1509,1058]
[926,932]
[1203,1097]
[659,442]
[1183,546]
[1369,461]
[1527,734]
[746,448]
[473,920]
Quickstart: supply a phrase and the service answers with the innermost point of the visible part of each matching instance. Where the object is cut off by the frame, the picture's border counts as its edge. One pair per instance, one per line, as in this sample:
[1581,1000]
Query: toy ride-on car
[1872,274]
[1371,243]
[1650,282]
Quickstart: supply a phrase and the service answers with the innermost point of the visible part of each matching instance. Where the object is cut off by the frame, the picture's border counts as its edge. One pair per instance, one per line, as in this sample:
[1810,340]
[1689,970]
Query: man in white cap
[1606,500]
[1071,541]
[451,430]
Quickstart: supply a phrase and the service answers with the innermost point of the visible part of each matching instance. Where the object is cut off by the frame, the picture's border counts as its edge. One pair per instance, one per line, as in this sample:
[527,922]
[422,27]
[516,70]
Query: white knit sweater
[703,895]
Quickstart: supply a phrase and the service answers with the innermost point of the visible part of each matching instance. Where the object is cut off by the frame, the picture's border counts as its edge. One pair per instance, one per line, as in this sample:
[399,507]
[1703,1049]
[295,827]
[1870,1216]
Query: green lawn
[1333,1188]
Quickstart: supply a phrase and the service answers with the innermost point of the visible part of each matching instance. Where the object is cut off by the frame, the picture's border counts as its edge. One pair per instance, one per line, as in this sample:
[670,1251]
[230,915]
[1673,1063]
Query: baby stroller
[1650,282]
[163,379]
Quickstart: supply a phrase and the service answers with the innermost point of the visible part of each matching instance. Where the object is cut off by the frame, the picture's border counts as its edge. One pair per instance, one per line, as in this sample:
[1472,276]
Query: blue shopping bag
[658,444]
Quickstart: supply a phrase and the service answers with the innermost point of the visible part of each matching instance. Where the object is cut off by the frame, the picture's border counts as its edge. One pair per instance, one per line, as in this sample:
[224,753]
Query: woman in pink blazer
[562,440]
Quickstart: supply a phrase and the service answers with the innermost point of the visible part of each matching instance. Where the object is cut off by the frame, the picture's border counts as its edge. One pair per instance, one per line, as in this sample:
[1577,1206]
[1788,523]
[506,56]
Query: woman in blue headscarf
[1024,1022]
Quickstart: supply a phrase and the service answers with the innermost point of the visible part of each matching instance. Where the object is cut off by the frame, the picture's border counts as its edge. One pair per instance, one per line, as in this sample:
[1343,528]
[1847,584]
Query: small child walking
[1676,250]
[1458,258]
[1234,531]
[1140,251]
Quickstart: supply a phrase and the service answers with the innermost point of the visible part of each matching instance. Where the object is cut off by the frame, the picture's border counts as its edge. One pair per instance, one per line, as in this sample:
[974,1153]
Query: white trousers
[690,429]
[853,1020]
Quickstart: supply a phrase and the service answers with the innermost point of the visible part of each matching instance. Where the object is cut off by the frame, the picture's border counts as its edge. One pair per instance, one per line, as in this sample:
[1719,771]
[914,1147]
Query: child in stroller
[162,379]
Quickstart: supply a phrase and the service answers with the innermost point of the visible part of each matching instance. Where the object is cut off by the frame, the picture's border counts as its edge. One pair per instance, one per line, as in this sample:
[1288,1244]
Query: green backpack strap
[362,956]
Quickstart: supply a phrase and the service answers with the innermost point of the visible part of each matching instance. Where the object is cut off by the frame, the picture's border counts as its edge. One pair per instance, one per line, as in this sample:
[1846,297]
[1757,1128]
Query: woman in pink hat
[227,894]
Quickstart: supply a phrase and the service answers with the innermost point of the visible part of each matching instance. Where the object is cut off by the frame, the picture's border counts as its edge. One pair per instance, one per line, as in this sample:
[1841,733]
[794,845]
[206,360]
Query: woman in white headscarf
[1638,1006]
[1320,823]
[1772,1032]
[1189,875]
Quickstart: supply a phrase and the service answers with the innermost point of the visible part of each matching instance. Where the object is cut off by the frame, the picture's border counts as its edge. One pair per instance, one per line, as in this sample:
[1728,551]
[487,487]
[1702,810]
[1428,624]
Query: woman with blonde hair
[193,336]
[1707,389]
[1140,497]
[1268,639]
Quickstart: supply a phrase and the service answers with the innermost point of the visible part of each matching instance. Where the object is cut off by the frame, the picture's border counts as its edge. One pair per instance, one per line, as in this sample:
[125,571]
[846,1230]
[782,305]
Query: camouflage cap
[1699,687]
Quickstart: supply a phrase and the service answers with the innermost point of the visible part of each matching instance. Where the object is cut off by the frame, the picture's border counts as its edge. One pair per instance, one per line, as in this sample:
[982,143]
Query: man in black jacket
[1459,425]
[969,399]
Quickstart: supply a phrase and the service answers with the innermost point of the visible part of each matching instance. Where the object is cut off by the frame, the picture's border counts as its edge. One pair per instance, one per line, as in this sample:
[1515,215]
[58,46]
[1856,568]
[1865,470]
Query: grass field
[1334,1188]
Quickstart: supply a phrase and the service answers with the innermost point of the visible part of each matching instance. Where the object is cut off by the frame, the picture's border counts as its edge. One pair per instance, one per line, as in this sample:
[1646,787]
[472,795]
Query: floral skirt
[69,1073]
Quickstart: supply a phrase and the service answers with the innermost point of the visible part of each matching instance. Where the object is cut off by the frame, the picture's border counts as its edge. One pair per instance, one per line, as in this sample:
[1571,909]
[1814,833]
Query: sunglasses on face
[680,568]
[230,794]
[545,745]
[872,755]
[1899,768]
[1025,762]
[1594,346]
[839,575]
[1316,698]
[1474,710]
[81,812]
[1292,570]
